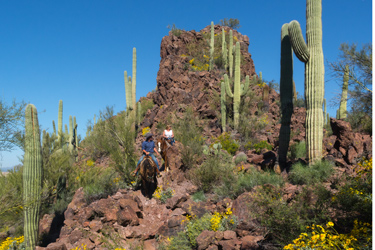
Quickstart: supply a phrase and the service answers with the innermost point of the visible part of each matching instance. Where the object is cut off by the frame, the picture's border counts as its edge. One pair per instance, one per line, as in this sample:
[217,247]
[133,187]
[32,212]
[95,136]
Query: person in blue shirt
[148,148]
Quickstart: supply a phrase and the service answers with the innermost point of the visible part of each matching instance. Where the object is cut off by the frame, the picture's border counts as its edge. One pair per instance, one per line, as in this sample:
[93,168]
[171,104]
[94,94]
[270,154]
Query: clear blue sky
[77,51]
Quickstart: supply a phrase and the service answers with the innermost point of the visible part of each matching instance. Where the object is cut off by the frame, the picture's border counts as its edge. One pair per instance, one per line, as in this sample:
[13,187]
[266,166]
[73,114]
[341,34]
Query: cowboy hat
[148,135]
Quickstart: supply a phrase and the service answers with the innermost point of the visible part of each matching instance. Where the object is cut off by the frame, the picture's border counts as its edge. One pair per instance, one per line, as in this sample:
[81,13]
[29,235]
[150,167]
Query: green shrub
[227,143]
[213,172]
[318,172]
[198,196]
[188,132]
[245,182]
[355,196]
[175,31]
[113,136]
[261,145]
[285,221]
[298,150]
[241,157]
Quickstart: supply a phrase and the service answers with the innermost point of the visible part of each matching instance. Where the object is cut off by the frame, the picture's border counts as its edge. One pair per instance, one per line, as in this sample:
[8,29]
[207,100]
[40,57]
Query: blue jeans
[152,156]
[171,140]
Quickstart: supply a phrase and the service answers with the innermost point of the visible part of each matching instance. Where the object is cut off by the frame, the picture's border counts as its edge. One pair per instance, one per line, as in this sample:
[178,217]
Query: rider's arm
[156,151]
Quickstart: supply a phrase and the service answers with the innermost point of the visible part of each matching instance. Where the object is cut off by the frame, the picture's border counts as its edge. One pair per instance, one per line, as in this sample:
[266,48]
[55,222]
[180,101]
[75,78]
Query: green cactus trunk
[128,91]
[60,122]
[230,53]
[223,107]
[344,95]
[324,110]
[224,50]
[286,94]
[311,53]
[212,46]
[139,108]
[32,177]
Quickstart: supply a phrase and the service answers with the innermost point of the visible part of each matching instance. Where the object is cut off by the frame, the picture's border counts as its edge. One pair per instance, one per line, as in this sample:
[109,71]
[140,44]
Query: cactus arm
[223,107]
[297,41]
[60,120]
[237,87]
[286,94]
[128,91]
[227,86]
[230,53]
[32,177]
[224,50]
[245,87]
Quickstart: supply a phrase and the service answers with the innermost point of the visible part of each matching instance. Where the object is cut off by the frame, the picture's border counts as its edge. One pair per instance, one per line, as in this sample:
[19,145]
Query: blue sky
[77,51]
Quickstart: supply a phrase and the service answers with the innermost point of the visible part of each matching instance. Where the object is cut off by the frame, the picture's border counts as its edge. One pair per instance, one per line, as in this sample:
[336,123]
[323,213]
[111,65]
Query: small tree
[360,83]
[11,117]
[233,23]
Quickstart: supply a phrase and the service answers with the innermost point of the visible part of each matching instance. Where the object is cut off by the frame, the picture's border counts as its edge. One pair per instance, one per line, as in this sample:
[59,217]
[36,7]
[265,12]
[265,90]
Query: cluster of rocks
[127,219]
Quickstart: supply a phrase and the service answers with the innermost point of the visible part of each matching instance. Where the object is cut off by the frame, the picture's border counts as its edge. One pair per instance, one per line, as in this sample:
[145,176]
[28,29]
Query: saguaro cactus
[311,53]
[286,94]
[212,46]
[223,107]
[344,96]
[32,176]
[224,50]
[230,53]
[128,91]
[238,89]
[60,121]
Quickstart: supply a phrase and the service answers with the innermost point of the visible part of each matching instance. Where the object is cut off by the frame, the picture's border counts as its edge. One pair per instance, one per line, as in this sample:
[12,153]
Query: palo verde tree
[359,61]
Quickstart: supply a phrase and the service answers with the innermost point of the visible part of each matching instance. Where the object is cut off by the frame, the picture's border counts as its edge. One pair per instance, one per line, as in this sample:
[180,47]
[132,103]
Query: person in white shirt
[168,134]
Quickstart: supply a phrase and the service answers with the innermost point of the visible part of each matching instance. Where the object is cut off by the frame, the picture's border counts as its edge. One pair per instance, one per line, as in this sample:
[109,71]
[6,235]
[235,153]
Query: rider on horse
[168,135]
[148,148]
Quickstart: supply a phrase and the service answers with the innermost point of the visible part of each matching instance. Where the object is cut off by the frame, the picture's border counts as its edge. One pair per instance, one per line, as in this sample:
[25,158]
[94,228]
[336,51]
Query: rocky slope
[129,220]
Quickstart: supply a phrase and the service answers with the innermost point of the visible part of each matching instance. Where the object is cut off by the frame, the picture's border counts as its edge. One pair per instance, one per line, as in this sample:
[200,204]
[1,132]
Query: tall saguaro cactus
[212,46]
[238,89]
[32,176]
[344,95]
[311,53]
[286,94]
[128,91]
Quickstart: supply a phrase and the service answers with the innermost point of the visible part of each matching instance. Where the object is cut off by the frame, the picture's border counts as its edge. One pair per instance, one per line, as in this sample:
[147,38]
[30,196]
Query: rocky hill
[130,220]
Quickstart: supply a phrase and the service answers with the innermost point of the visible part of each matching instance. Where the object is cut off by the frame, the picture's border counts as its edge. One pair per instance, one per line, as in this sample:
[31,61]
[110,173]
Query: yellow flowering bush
[222,221]
[82,247]
[326,237]
[163,195]
[90,163]
[355,197]
[11,242]
[146,130]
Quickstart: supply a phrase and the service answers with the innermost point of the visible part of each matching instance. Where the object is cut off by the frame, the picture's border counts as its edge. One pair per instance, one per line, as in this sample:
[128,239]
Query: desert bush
[227,143]
[355,196]
[298,150]
[314,173]
[244,182]
[261,145]
[188,132]
[113,136]
[195,226]
[214,170]
[198,196]
[175,31]
[11,202]
[285,221]
[163,194]
[241,157]
[326,237]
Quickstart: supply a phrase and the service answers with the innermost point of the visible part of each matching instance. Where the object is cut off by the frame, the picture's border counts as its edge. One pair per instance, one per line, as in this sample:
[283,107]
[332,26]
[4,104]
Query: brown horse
[163,146]
[148,175]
